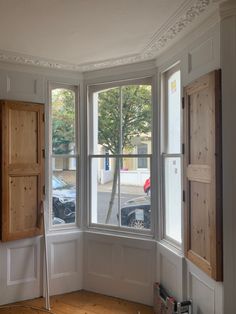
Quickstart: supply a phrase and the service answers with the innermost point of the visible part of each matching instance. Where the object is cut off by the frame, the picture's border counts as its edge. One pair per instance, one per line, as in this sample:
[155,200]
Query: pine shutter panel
[22,169]
[203,179]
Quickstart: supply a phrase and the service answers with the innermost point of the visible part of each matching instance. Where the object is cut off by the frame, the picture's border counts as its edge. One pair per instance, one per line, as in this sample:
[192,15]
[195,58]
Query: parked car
[147,187]
[64,200]
[136,213]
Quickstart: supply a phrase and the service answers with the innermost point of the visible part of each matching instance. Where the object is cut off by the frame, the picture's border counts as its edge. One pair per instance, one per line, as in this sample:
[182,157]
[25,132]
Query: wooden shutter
[202,164]
[22,169]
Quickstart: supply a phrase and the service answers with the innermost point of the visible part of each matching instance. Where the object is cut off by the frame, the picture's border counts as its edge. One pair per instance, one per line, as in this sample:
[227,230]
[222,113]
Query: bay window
[120,150]
[120,164]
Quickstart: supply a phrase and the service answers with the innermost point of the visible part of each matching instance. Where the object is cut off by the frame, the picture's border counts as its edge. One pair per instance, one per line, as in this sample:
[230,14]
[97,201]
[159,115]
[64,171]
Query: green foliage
[63,121]
[118,125]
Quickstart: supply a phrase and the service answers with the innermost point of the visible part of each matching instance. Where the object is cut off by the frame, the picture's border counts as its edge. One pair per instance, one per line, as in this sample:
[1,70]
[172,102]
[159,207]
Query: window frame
[165,75]
[91,89]
[75,88]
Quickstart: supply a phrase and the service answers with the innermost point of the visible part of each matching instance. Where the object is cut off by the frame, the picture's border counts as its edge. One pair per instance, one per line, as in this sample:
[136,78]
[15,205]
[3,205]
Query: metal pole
[47,295]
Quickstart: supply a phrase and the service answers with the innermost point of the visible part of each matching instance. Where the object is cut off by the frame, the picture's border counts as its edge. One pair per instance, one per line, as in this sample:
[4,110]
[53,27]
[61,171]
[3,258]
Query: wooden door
[22,169]
[203,204]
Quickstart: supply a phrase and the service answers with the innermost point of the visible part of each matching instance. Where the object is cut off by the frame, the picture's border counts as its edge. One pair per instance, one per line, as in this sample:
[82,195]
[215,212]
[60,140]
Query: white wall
[228,64]
[116,265]
[198,54]
[20,270]
[65,262]
[21,262]
[119,266]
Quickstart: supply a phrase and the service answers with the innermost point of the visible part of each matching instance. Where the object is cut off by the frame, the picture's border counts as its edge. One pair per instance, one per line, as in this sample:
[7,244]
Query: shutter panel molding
[203,174]
[22,169]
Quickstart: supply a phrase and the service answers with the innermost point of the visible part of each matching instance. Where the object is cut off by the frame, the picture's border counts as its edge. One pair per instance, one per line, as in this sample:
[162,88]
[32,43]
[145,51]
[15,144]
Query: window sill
[64,229]
[120,232]
[171,248]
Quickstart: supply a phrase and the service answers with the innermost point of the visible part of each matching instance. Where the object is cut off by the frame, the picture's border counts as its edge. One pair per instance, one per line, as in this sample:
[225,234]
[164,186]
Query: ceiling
[89,34]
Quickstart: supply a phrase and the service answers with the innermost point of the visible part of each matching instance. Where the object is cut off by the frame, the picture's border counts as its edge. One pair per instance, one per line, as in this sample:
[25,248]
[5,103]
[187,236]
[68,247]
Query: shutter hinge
[183,196]
[44,190]
[183,103]
[43,153]
[183,149]
[43,117]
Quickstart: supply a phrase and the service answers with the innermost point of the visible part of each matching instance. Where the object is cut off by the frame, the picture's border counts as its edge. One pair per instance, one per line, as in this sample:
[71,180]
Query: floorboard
[81,302]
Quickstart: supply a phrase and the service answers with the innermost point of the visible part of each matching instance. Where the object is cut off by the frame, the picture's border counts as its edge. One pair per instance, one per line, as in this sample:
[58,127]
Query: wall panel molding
[171,271]
[137,266]
[100,264]
[124,267]
[202,295]
[21,86]
[206,293]
[20,270]
[66,262]
[22,264]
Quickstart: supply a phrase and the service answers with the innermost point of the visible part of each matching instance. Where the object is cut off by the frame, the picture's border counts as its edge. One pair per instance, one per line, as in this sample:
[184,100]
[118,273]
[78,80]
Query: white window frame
[76,155]
[91,89]
[165,75]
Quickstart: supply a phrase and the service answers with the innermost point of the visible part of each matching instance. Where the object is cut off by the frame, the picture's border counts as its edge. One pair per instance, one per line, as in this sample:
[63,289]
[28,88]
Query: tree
[63,121]
[124,113]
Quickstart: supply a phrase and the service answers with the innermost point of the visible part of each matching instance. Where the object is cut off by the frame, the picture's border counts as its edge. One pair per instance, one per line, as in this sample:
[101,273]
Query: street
[103,204]
[104,195]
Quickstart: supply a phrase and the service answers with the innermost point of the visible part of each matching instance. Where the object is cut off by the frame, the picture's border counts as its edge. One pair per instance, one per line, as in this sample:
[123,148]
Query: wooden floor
[81,302]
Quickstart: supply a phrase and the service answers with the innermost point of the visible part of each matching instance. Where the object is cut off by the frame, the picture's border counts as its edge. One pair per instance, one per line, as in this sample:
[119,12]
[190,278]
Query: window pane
[135,194]
[120,190]
[174,107]
[106,116]
[173,197]
[136,119]
[104,191]
[63,190]
[122,120]
[63,121]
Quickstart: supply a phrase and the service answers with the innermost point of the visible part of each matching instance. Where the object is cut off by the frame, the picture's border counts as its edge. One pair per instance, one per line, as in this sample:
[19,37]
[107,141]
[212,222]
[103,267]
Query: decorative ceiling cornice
[11,57]
[186,16]
[228,9]
[175,26]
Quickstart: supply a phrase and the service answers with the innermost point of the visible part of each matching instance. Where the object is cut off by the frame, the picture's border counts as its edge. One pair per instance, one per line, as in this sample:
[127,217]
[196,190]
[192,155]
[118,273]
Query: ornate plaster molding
[227,9]
[113,62]
[167,33]
[183,18]
[10,57]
